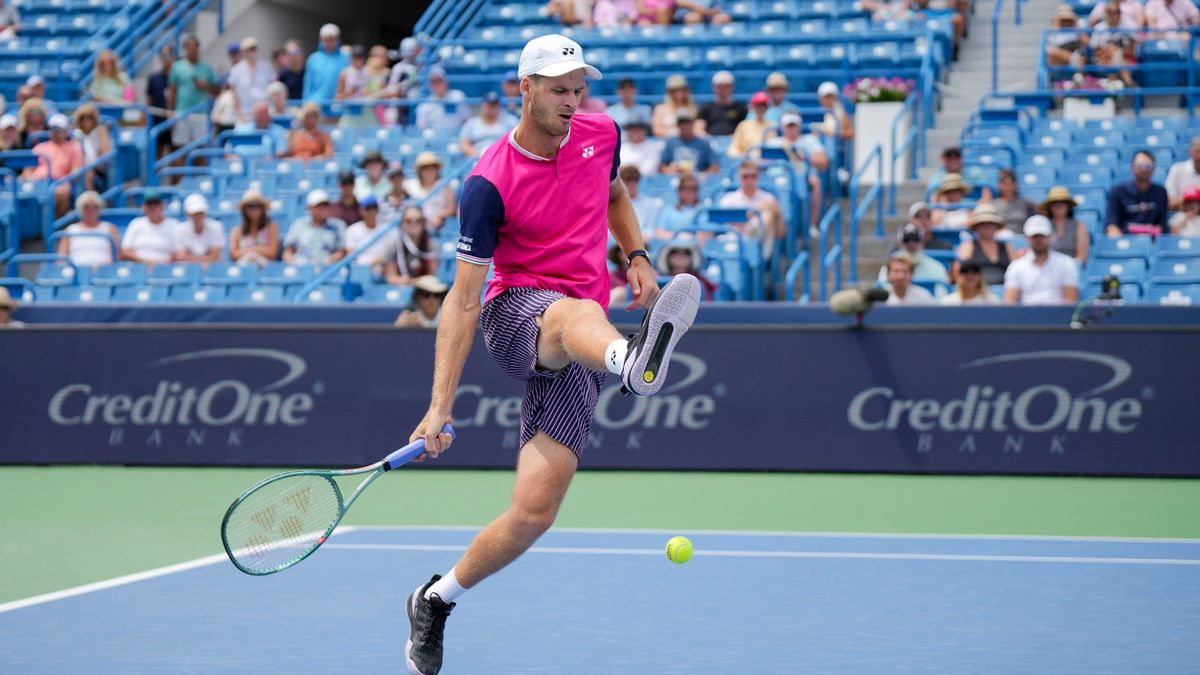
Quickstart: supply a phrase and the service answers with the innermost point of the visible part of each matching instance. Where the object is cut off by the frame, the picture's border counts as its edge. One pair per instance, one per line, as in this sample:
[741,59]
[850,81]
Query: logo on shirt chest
[589,151]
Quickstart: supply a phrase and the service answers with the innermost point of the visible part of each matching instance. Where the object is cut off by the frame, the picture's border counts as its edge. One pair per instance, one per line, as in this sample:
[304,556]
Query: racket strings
[282,521]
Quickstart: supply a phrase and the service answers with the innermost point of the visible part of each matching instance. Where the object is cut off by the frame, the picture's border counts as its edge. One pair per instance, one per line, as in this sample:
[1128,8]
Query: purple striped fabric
[560,403]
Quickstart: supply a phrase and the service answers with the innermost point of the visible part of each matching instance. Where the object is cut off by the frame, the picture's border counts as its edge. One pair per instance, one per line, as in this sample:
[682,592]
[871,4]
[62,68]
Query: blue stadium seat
[227,273]
[276,272]
[82,293]
[1173,294]
[120,274]
[1039,177]
[199,294]
[1051,138]
[1172,246]
[260,294]
[1122,247]
[174,274]
[394,295]
[1175,271]
[1127,271]
[327,294]
[59,274]
[139,294]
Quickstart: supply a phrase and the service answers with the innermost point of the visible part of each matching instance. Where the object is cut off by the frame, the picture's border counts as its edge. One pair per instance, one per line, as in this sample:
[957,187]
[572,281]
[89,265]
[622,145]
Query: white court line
[834,555]
[801,534]
[127,579]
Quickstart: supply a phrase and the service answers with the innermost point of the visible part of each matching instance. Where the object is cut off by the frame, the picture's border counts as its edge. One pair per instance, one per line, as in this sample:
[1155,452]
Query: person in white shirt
[358,234]
[768,222]
[1042,276]
[639,150]
[150,238]
[89,251]
[443,108]
[900,288]
[1183,175]
[627,109]
[970,289]
[485,128]
[201,239]
[645,207]
[250,78]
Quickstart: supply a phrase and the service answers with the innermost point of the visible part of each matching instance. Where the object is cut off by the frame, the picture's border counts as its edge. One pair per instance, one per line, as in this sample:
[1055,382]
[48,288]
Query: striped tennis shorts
[561,403]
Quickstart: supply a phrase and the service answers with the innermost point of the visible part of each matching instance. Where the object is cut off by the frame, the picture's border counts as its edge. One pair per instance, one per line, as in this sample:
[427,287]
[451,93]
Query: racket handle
[411,451]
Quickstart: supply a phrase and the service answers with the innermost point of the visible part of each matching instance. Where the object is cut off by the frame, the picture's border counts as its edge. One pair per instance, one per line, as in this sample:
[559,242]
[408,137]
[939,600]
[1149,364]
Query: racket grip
[411,451]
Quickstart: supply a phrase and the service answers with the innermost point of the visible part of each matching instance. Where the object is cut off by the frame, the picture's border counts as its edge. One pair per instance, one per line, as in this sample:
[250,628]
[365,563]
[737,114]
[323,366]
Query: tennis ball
[679,550]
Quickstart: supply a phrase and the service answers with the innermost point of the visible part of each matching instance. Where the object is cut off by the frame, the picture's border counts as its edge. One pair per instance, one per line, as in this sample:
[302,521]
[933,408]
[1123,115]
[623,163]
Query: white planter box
[873,125]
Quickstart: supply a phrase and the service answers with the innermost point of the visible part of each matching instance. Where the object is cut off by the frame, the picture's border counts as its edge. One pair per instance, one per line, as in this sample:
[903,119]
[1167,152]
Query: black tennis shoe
[666,321]
[427,622]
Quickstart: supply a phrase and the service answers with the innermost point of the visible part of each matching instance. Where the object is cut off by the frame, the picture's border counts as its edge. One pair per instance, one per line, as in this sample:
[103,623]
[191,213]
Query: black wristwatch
[639,253]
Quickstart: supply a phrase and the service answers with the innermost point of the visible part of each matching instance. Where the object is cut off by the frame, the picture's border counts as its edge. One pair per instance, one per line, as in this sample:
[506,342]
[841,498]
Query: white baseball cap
[553,55]
[789,118]
[195,203]
[1036,225]
[722,77]
[827,88]
[317,197]
[330,30]
[59,121]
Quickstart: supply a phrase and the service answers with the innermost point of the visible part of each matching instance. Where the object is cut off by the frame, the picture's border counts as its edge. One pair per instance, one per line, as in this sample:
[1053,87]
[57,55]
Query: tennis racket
[283,519]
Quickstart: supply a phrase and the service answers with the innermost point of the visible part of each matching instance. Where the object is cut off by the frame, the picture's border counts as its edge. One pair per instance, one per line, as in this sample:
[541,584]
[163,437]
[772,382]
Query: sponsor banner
[906,400]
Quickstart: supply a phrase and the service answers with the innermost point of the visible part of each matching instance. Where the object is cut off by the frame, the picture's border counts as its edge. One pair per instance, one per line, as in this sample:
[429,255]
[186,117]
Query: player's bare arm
[455,334]
[622,222]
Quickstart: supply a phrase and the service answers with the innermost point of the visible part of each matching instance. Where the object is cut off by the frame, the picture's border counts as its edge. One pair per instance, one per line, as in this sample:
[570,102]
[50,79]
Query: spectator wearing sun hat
[678,97]
[151,238]
[1042,276]
[1071,236]
[721,116]
[682,256]
[440,205]
[309,141]
[777,87]
[950,194]
[486,128]
[749,132]
[984,248]
[255,241]
[201,239]
[63,156]
[428,294]
[315,239]
[323,66]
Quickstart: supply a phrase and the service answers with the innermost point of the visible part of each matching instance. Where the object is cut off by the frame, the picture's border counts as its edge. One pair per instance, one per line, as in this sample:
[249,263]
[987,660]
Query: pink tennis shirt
[543,222]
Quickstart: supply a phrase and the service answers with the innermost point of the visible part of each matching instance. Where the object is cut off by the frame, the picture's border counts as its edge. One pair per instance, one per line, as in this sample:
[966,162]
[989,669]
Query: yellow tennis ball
[679,550]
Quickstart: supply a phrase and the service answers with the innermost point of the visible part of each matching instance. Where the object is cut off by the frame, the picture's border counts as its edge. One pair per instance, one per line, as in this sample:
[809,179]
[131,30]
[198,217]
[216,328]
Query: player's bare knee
[565,312]
[534,519]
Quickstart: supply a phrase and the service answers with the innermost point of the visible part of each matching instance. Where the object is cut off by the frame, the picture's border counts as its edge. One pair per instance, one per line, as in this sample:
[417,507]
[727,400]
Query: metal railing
[77,176]
[873,197]
[1188,66]
[12,239]
[911,143]
[832,258]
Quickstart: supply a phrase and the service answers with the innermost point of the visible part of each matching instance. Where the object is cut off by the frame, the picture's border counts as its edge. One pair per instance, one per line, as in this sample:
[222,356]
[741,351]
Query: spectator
[373,181]
[683,257]
[1186,223]
[10,134]
[638,150]
[95,141]
[702,11]
[1012,207]
[921,215]
[415,254]
[722,115]
[1171,14]
[777,91]
[35,87]
[952,162]
[767,223]
[191,81]
[1183,175]
[438,207]
[687,151]
[277,100]
[589,104]
[292,72]
[655,12]
[10,21]
[63,156]
[315,239]
[804,151]
[255,241]
[571,12]
[618,276]
[201,239]
[32,115]
[678,98]
[360,234]
[323,66]
[110,85]
[250,78]
[309,141]
[1042,276]
[234,51]
[749,132]
[151,238]
[374,87]
[351,81]
[485,128]
[7,306]
[156,95]
[984,249]
[402,81]
[1070,237]
[1113,48]
[1129,10]
[627,108]
[901,290]
[925,10]
[396,198]
[837,124]
[347,208]
[888,10]
[614,13]
[428,297]
[1137,206]
[682,213]
[224,111]
[97,247]
[511,86]
[949,196]
[911,241]
[260,122]
[645,207]
[970,289]
[1065,44]
[444,108]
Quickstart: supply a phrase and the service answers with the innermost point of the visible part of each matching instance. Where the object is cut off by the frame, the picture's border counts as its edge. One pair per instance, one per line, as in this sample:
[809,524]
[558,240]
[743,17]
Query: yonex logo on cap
[567,51]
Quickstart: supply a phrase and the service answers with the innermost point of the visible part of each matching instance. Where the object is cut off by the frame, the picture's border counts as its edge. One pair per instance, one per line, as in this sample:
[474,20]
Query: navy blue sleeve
[1161,209]
[1114,208]
[480,213]
[616,163]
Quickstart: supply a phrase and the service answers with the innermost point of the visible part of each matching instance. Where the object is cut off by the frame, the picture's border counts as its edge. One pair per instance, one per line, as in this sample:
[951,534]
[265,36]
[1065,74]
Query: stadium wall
[913,399]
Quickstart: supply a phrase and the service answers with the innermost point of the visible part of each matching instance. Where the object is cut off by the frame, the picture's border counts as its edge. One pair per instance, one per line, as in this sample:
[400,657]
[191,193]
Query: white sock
[447,588]
[614,355]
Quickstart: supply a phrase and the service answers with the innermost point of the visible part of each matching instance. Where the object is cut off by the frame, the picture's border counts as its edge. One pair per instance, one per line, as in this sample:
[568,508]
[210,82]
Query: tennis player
[539,206]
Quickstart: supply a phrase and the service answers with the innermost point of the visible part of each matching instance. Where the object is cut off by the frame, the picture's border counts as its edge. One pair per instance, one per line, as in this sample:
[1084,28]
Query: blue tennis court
[608,601]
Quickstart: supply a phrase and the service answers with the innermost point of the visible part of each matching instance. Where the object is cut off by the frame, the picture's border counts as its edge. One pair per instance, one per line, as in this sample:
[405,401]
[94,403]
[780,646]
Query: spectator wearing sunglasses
[428,294]
[1138,206]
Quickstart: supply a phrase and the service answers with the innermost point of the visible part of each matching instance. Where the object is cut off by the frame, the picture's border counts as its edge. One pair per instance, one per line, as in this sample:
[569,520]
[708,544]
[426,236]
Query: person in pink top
[63,156]
[538,207]
[1171,15]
